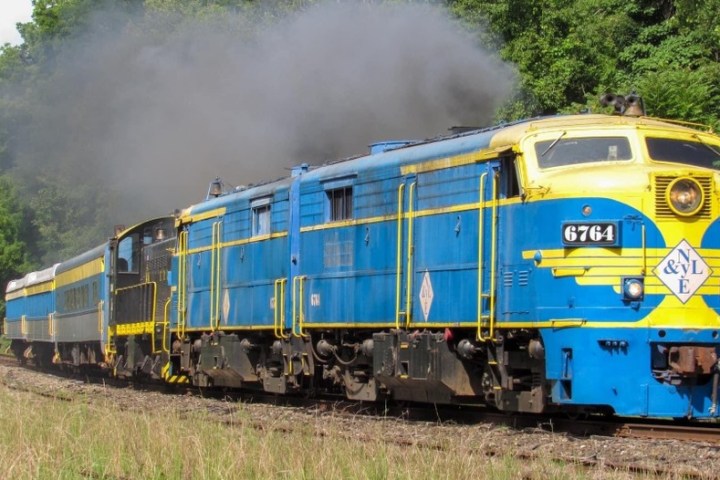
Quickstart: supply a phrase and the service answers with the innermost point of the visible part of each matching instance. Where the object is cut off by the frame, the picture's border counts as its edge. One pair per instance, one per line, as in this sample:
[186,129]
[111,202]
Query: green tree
[570,52]
[13,251]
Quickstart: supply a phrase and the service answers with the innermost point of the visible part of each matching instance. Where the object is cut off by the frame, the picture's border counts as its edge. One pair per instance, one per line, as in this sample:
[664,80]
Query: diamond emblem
[683,271]
[426,295]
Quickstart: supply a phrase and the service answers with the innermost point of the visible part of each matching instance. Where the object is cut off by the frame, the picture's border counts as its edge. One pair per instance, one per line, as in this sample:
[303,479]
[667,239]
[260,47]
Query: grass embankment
[49,438]
[4,345]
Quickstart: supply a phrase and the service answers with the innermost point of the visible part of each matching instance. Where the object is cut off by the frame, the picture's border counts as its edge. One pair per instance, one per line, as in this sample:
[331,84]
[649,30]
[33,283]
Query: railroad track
[465,415]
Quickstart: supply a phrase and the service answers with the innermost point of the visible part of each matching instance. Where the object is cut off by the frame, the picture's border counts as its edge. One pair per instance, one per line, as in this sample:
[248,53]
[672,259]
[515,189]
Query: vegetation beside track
[52,438]
[58,426]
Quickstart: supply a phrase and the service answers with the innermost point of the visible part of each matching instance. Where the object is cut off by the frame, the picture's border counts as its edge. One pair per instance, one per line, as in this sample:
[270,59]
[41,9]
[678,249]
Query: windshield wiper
[707,145]
[550,147]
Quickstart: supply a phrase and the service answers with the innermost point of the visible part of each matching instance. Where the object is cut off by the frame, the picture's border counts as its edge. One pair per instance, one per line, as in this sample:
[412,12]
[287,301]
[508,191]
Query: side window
[128,253]
[340,204]
[509,183]
[261,216]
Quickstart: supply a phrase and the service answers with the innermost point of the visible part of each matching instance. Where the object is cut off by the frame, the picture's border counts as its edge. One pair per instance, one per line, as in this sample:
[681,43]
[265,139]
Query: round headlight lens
[685,196]
[633,289]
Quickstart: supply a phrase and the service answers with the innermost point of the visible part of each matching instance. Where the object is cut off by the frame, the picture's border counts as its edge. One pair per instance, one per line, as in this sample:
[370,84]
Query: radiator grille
[662,209]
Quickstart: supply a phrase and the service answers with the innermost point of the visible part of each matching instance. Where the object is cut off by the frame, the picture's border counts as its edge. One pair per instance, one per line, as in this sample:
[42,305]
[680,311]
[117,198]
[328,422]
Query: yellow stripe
[178,379]
[39,288]
[348,223]
[455,161]
[389,324]
[360,221]
[225,328]
[14,295]
[81,272]
[258,238]
[236,243]
[602,266]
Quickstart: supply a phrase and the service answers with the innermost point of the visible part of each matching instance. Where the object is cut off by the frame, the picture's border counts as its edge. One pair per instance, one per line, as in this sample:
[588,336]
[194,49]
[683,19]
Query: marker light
[633,288]
[685,196]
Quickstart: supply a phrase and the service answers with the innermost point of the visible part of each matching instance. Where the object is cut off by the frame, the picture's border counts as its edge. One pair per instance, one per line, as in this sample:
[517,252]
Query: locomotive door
[404,264]
[499,180]
[488,187]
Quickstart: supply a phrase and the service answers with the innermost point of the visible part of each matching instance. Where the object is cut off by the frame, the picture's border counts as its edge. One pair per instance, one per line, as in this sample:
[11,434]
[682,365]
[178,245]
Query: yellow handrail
[279,313]
[166,324]
[493,257]
[298,306]
[109,350]
[23,326]
[410,252]
[100,317]
[398,265]
[51,330]
[215,265]
[182,283]
[481,252]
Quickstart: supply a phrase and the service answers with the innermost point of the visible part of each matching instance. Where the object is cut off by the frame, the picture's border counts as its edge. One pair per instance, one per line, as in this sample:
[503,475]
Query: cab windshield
[695,153]
[572,151]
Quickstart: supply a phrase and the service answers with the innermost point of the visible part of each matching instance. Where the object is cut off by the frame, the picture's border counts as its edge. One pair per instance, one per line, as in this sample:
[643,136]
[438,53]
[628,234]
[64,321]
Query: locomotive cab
[625,262]
[138,333]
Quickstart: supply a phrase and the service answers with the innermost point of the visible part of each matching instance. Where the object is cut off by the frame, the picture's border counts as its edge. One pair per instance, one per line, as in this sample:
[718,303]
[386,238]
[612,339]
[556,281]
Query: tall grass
[49,438]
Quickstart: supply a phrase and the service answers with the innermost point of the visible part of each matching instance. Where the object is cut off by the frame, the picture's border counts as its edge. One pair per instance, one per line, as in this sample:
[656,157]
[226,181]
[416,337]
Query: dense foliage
[567,53]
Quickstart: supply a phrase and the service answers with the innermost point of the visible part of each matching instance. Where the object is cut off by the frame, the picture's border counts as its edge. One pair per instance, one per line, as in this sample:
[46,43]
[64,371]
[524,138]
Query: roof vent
[298,170]
[381,147]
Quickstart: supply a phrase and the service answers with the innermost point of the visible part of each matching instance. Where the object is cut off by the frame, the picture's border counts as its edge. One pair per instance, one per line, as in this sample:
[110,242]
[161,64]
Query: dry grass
[49,438]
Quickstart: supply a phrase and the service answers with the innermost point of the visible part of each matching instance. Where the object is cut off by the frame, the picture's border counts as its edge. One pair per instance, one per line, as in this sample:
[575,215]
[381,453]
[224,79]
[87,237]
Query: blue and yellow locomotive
[567,263]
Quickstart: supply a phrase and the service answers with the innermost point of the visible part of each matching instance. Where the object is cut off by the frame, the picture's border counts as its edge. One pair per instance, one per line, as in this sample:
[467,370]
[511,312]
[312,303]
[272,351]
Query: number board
[590,233]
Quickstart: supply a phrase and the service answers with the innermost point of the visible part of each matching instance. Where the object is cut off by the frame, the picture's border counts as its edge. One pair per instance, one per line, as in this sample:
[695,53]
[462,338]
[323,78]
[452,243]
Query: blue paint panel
[14,309]
[39,306]
[594,376]
[248,271]
[711,239]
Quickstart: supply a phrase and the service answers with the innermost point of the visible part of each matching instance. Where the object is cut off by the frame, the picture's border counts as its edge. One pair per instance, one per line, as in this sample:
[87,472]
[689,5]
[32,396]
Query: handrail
[153,312]
[100,317]
[398,265]
[493,256]
[410,253]
[51,329]
[23,325]
[109,350]
[182,283]
[481,252]
[215,265]
[279,313]
[298,307]
[166,324]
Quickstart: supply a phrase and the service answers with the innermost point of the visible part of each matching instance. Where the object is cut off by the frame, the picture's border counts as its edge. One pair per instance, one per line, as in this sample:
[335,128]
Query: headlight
[685,196]
[633,288]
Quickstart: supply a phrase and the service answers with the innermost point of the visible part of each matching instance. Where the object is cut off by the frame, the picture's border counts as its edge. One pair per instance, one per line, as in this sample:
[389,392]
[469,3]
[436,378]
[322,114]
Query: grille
[662,209]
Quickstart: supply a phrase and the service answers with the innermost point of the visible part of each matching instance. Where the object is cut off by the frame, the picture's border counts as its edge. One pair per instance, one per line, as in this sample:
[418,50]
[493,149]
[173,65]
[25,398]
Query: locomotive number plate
[600,233]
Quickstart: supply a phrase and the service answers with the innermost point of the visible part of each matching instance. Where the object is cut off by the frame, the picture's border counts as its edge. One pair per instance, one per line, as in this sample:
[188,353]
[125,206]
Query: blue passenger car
[81,293]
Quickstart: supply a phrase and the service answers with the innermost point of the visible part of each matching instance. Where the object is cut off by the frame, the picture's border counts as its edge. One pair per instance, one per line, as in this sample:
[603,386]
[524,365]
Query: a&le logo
[683,271]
